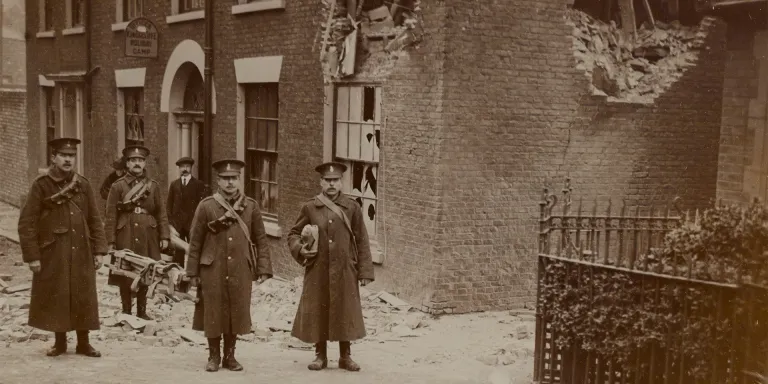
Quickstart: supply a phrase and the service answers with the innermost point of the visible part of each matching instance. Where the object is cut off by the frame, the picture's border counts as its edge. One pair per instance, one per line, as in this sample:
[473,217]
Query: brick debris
[274,305]
[634,68]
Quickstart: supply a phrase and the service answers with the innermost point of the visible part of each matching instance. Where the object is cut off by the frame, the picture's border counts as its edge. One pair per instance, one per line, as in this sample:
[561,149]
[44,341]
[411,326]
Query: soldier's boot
[59,346]
[84,347]
[345,359]
[321,357]
[141,304]
[125,297]
[229,354]
[214,354]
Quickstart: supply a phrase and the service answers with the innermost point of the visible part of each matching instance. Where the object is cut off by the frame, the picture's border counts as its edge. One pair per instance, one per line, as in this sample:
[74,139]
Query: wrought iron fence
[589,247]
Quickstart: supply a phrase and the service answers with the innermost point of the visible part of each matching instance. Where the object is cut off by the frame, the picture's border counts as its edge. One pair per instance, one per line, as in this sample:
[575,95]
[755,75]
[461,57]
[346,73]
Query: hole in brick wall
[631,54]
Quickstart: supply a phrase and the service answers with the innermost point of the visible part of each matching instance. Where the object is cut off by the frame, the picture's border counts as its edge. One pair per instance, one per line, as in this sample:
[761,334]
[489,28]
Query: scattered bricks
[6,277]
[150,329]
[18,263]
[522,332]
[170,342]
[490,359]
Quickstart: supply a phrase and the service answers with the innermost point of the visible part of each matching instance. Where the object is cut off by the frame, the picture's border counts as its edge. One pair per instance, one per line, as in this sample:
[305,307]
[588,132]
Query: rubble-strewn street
[636,69]
[403,345]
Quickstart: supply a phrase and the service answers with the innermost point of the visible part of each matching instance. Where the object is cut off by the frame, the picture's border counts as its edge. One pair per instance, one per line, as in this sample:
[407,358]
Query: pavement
[9,221]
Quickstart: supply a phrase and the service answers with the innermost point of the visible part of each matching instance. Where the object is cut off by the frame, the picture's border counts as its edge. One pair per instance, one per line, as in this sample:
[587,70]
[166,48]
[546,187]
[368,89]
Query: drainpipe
[207,136]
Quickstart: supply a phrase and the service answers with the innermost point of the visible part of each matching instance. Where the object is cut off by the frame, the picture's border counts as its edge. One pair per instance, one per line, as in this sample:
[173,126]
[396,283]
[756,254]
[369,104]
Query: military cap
[65,145]
[132,151]
[331,170]
[119,163]
[185,160]
[228,167]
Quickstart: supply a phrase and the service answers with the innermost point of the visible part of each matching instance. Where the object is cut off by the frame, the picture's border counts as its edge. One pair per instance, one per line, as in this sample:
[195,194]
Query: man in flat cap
[136,220]
[228,250]
[184,194]
[62,239]
[334,263]
[118,170]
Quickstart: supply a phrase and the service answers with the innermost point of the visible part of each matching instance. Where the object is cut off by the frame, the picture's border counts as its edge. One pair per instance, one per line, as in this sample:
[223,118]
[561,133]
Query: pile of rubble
[366,40]
[274,305]
[634,68]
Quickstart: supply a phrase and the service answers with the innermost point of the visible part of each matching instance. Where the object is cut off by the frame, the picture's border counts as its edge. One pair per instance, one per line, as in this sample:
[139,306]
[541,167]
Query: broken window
[134,115]
[357,143]
[191,5]
[76,12]
[261,127]
[132,9]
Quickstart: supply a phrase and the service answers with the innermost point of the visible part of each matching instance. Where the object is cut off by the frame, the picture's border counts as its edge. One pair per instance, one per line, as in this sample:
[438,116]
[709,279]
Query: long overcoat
[64,238]
[183,201]
[139,232]
[330,308]
[220,260]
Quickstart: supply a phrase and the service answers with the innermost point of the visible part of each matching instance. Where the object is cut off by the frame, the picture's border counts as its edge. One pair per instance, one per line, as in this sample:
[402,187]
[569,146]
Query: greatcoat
[220,260]
[64,238]
[330,308]
[138,232]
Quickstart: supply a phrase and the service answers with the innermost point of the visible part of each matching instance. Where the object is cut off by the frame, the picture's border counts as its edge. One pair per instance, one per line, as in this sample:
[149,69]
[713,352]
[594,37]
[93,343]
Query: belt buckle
[137,210]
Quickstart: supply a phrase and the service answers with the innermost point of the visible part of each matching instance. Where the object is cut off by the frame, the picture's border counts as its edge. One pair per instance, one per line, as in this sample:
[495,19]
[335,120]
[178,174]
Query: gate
[643,321]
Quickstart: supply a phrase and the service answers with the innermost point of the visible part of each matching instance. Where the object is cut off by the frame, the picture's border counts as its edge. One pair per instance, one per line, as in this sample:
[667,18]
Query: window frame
[75,14]
[348,160]
[79,116]
[129,113]
[48,103]
[251,180]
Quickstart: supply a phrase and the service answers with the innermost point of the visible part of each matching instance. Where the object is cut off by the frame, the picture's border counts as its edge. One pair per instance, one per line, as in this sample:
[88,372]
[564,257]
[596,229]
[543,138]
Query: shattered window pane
[357,139]
[261,138]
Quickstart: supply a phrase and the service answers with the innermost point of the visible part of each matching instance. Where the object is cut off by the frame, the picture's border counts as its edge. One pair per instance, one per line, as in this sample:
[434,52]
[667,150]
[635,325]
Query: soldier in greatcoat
[330,308]
[62,239]
[184,194]
[136,220]
[228,250]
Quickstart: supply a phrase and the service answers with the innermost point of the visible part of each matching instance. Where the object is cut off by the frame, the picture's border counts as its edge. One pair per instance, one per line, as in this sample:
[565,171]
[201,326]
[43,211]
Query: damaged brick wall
[517,114]
[13,128]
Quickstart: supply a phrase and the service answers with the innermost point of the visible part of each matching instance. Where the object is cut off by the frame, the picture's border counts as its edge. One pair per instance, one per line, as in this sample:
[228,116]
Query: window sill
[73,31]
[46,35]
[186,16]
[273,229]
[256,6]
[116,27]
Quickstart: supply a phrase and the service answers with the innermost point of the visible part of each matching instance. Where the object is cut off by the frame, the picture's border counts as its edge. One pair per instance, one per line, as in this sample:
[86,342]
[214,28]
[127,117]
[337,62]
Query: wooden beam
[650,13]
[628,17]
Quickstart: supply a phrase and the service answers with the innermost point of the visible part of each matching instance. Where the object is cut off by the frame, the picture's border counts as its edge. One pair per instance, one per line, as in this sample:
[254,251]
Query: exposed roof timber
[725,3]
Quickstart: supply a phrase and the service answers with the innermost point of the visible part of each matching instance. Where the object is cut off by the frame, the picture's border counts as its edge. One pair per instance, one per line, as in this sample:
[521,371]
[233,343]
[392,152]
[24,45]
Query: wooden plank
[18,288]
[627,9]
[650,14]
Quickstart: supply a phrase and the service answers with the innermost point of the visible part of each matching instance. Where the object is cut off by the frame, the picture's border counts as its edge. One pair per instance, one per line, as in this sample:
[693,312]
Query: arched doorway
[187,104]
[182,97]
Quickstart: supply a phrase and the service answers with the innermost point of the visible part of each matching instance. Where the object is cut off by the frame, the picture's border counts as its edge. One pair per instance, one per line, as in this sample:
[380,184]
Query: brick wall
[14,61]
[47,56]
[478,117]
[13,128]
[743,116]
[516,115]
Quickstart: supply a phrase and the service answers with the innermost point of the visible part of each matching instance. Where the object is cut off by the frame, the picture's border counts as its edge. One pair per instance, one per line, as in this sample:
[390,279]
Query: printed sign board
[141,38]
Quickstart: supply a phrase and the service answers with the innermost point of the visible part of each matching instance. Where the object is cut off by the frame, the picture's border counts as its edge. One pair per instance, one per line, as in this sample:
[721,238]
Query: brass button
[230,239]
[229,258]
[136,224]
[330,241]
[330,221]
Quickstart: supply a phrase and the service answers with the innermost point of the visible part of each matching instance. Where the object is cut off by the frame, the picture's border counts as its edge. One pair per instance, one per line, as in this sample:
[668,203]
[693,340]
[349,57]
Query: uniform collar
[340,200]
[57,175]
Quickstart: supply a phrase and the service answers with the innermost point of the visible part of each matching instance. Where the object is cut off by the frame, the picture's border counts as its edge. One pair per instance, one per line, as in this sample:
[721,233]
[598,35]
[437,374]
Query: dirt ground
[494,347]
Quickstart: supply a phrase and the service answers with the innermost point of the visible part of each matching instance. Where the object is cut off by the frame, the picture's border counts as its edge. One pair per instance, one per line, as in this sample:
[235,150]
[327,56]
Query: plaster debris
[366,42]
[635,69]
[274,305]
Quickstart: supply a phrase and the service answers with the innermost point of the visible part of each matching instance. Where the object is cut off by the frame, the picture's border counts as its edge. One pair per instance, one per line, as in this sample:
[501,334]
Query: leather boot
[84,347]
[214,354]
[141,304]
[229,354]
[321,357]
[125,297]
[345,359]
[59,346]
